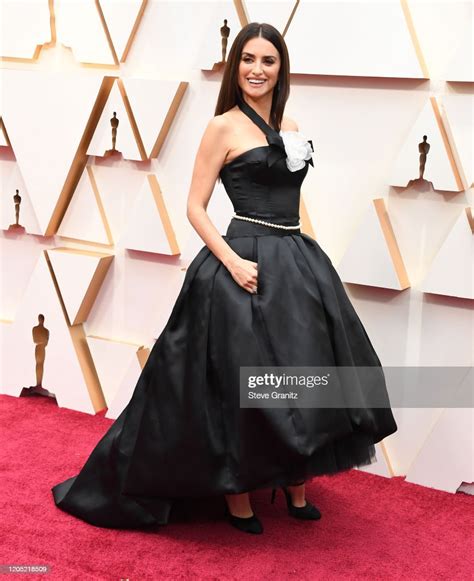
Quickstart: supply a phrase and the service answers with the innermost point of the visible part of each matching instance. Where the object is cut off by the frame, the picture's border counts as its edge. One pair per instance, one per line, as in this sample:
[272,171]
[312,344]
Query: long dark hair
[230,87]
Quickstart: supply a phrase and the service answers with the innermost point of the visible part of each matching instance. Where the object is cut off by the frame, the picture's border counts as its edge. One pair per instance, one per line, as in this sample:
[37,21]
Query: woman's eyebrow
[266,56]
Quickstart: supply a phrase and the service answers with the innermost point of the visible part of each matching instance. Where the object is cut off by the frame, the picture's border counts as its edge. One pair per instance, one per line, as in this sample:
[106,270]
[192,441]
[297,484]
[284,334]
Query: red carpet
[371,528]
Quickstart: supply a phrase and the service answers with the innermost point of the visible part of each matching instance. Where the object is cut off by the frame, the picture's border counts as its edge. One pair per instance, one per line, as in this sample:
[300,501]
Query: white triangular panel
[12,180]
[461,65]
[367,259]
[125,389]
[83,220]
[62,372]
[120,18]
[450,443]
[79,27]
[352,38]
[24,26]
[459,109]
[145,230]
[44,133]
[438,169]
[74,271]
[112,360]
[119,186]
[274,12]
[102,139]
[452,270]
[150,101]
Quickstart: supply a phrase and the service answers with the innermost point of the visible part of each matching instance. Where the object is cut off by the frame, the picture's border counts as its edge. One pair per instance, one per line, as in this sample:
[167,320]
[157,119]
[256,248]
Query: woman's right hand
[244,272]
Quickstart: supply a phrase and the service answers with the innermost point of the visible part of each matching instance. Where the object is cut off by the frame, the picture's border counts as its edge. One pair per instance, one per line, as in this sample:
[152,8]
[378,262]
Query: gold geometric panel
[441,167]
[277,13]
[54,354]
[85,217]
[79,274]
[374,39]
[373,257]
[127,141]
[121,21]
[50,139]
[452,270]
[149,228]
[154,104]
[80,27]
[113,360]
[127,384]
[461,64]
[25,26]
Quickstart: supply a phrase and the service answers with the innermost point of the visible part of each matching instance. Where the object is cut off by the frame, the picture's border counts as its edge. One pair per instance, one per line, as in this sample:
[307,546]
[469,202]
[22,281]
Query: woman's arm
[210,157]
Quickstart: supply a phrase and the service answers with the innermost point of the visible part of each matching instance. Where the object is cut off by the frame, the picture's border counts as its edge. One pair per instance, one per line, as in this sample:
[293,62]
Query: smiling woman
[263,294]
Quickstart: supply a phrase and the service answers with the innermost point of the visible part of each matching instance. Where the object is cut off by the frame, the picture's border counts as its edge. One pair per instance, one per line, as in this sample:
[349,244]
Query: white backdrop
[368,80]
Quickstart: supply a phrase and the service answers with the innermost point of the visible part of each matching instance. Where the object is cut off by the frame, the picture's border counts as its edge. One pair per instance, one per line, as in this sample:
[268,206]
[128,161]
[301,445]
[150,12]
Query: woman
[264,294]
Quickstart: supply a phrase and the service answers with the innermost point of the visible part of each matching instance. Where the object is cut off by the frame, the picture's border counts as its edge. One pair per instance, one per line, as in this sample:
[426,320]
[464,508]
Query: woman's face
[259,61]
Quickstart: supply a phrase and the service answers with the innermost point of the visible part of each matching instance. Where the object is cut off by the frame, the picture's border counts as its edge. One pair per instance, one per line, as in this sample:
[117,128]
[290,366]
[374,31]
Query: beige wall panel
[126,387]
[79,274]
[149,228]
[382,466]
[450,442]
[136,299]
[440,168]
[126,143]
[85,218]
[112,361]
[460,114]
[373,257]
[79,26]
[461,65]
[46,136]
[122,19]
[19,254]
[357,38]
[24,27]
[4,141]
[452,271]
[154,105]
[439,26]
[63,375]
[118,185]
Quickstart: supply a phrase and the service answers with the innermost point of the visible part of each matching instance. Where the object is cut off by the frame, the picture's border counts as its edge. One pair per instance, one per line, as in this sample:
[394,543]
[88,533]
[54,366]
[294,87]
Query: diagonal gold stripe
[81,347]
[100,205]
[414,38]
[165,219]
[107,32]
[449,145]
[132,120]
[391,242]
[136,26]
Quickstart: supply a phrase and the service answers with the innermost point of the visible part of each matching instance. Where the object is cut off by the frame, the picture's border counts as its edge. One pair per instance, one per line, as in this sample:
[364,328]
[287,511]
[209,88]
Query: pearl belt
[268,223]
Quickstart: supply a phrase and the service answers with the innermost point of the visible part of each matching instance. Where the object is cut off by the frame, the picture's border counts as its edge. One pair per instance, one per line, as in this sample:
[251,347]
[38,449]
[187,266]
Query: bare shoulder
[288,124]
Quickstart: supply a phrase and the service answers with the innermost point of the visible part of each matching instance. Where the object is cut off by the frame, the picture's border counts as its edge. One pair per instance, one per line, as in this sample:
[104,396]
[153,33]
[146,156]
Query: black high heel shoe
[249,524]
[306,512]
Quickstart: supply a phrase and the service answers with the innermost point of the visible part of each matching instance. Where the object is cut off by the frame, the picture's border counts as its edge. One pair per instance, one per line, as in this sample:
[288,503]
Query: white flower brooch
[298,150]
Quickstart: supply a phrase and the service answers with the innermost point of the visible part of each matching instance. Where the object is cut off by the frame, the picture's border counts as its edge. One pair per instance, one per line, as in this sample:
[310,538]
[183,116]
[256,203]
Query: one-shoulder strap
[254,116]
[273,137]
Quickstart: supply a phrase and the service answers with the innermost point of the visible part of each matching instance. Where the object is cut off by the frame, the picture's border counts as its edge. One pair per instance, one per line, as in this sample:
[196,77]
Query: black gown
[183,433]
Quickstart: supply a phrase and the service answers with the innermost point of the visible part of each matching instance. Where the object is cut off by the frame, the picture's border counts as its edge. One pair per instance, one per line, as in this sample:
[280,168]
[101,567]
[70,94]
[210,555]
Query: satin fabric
[183,434]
